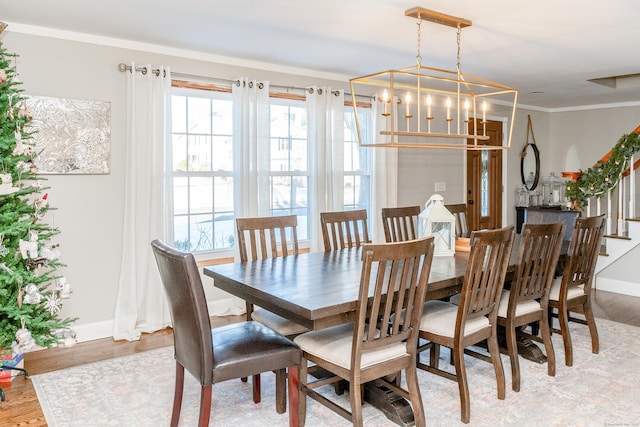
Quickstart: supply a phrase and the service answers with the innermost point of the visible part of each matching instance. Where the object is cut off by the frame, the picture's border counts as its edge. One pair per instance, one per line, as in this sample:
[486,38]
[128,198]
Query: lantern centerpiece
[436,220]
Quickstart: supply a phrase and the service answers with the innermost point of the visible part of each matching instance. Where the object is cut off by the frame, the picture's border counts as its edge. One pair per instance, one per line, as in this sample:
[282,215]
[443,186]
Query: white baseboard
[94,331]
[104,329]
[618,286]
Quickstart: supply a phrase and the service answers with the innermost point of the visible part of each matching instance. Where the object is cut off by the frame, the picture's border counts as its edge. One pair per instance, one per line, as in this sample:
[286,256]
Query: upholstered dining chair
[572,292]
[378,342]
[262,238]
[475,318]
[401,223]
[344,229]
[215,355]
[527,300]
[459,211]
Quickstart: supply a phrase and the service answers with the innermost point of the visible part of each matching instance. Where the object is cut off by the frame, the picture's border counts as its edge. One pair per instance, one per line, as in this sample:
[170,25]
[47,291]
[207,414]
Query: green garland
[603,176]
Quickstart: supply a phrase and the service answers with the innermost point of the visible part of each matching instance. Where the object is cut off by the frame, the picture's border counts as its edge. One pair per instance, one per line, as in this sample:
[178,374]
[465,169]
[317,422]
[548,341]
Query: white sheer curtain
[251,147]
[141,305]
[385,177]
[325,120]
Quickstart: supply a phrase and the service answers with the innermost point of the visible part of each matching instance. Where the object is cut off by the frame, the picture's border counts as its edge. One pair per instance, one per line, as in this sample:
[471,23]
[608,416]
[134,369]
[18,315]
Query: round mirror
[530,166]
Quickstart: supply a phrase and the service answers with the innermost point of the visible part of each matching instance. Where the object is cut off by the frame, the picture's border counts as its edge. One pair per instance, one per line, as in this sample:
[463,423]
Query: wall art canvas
[72,136]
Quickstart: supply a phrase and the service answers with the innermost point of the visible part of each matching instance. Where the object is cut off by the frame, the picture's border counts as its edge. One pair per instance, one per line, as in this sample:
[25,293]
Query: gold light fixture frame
[467,96]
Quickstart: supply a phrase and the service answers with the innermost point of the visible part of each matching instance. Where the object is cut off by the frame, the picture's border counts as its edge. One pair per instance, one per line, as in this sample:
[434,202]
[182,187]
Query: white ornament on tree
[4,251]
[50,252]
[6,187]
[29,248]
[32,294]
[63,288]
[21,149]
[24,341]
[53,303]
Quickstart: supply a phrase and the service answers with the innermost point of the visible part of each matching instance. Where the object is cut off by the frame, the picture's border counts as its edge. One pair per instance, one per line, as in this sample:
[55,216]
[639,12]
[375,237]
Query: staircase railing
[610,182]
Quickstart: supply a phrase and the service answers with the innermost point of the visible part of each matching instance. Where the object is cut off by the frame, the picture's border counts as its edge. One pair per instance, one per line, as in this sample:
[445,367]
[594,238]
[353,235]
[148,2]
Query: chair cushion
[277,323]
[574,291]
[439,317]
[334,345]
[249,348]
[524,307]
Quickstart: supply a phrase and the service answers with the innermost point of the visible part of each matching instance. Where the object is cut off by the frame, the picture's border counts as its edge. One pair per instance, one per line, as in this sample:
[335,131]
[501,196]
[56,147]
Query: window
[202,167]
[357,163]
[289,160]
[202,170]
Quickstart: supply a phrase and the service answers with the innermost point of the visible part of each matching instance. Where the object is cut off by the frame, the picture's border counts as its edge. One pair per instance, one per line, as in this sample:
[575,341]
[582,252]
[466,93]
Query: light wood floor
[22,408]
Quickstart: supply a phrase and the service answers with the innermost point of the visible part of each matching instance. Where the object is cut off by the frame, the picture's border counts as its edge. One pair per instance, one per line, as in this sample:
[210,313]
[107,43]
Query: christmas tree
[30,289]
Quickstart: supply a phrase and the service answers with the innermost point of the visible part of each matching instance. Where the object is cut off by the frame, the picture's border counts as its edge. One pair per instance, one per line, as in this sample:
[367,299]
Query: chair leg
[293,383]
[463,386]
[414,394]
[434,355]
[205,406]
[281,391]
[494,351]
[177,395]
[591,321]
[563,319]
[256,388]
[545,331]
[355,396]
[512,348]
[302,392]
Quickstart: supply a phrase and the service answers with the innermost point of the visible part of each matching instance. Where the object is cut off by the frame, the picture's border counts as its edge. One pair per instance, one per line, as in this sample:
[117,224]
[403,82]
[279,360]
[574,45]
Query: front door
[484,182]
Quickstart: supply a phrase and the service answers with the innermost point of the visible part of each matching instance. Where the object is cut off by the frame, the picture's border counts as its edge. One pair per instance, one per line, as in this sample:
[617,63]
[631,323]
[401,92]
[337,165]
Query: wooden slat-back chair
[400,224]
[474,319]
[572,292]
[344,229]
[262,238]
[527,300]
[459,211]
[392,290]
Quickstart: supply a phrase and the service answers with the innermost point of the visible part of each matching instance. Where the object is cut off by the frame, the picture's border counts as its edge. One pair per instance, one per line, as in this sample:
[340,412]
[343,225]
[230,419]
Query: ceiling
[547,49]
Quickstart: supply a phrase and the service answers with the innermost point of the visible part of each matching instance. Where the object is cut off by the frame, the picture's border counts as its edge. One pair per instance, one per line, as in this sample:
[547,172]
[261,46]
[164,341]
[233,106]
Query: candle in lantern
[385,99]
[466,110]
[429,101]
[448,108]
[484,111]
[407,98]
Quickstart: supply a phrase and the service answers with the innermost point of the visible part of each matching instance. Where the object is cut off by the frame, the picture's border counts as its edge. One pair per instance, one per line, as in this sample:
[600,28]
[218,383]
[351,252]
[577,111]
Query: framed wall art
[72,136]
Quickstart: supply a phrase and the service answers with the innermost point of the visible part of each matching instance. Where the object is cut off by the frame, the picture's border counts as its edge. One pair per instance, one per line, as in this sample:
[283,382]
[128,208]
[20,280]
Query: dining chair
[344,229]
[263,238]
[459,211]
[474,319]
[572,291]
[378,342]
[215,355]
[527,300]
[400,224]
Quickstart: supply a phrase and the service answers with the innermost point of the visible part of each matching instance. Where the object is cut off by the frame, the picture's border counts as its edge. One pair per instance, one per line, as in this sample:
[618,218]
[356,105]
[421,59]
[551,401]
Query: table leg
[527,348]
[394,407]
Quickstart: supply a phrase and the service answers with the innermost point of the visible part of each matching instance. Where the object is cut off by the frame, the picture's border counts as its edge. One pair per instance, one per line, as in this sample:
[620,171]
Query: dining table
[320,289]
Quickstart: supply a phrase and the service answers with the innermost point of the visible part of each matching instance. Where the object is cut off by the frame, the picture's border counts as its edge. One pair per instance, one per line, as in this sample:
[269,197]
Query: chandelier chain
[418,55]
[458,37]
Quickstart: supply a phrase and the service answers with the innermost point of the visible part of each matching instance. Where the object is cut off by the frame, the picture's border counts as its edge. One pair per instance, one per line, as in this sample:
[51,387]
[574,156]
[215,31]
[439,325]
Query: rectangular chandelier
[425,107]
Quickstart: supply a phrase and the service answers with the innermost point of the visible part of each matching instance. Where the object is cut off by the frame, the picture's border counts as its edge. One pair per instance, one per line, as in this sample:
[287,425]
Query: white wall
[581,138]
[90,207]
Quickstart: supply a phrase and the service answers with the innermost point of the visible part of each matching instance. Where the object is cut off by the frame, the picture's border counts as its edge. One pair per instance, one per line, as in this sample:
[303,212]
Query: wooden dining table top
[319,289]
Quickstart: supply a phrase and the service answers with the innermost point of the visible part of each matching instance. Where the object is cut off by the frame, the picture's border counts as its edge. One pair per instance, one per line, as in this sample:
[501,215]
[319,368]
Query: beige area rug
[137,390]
